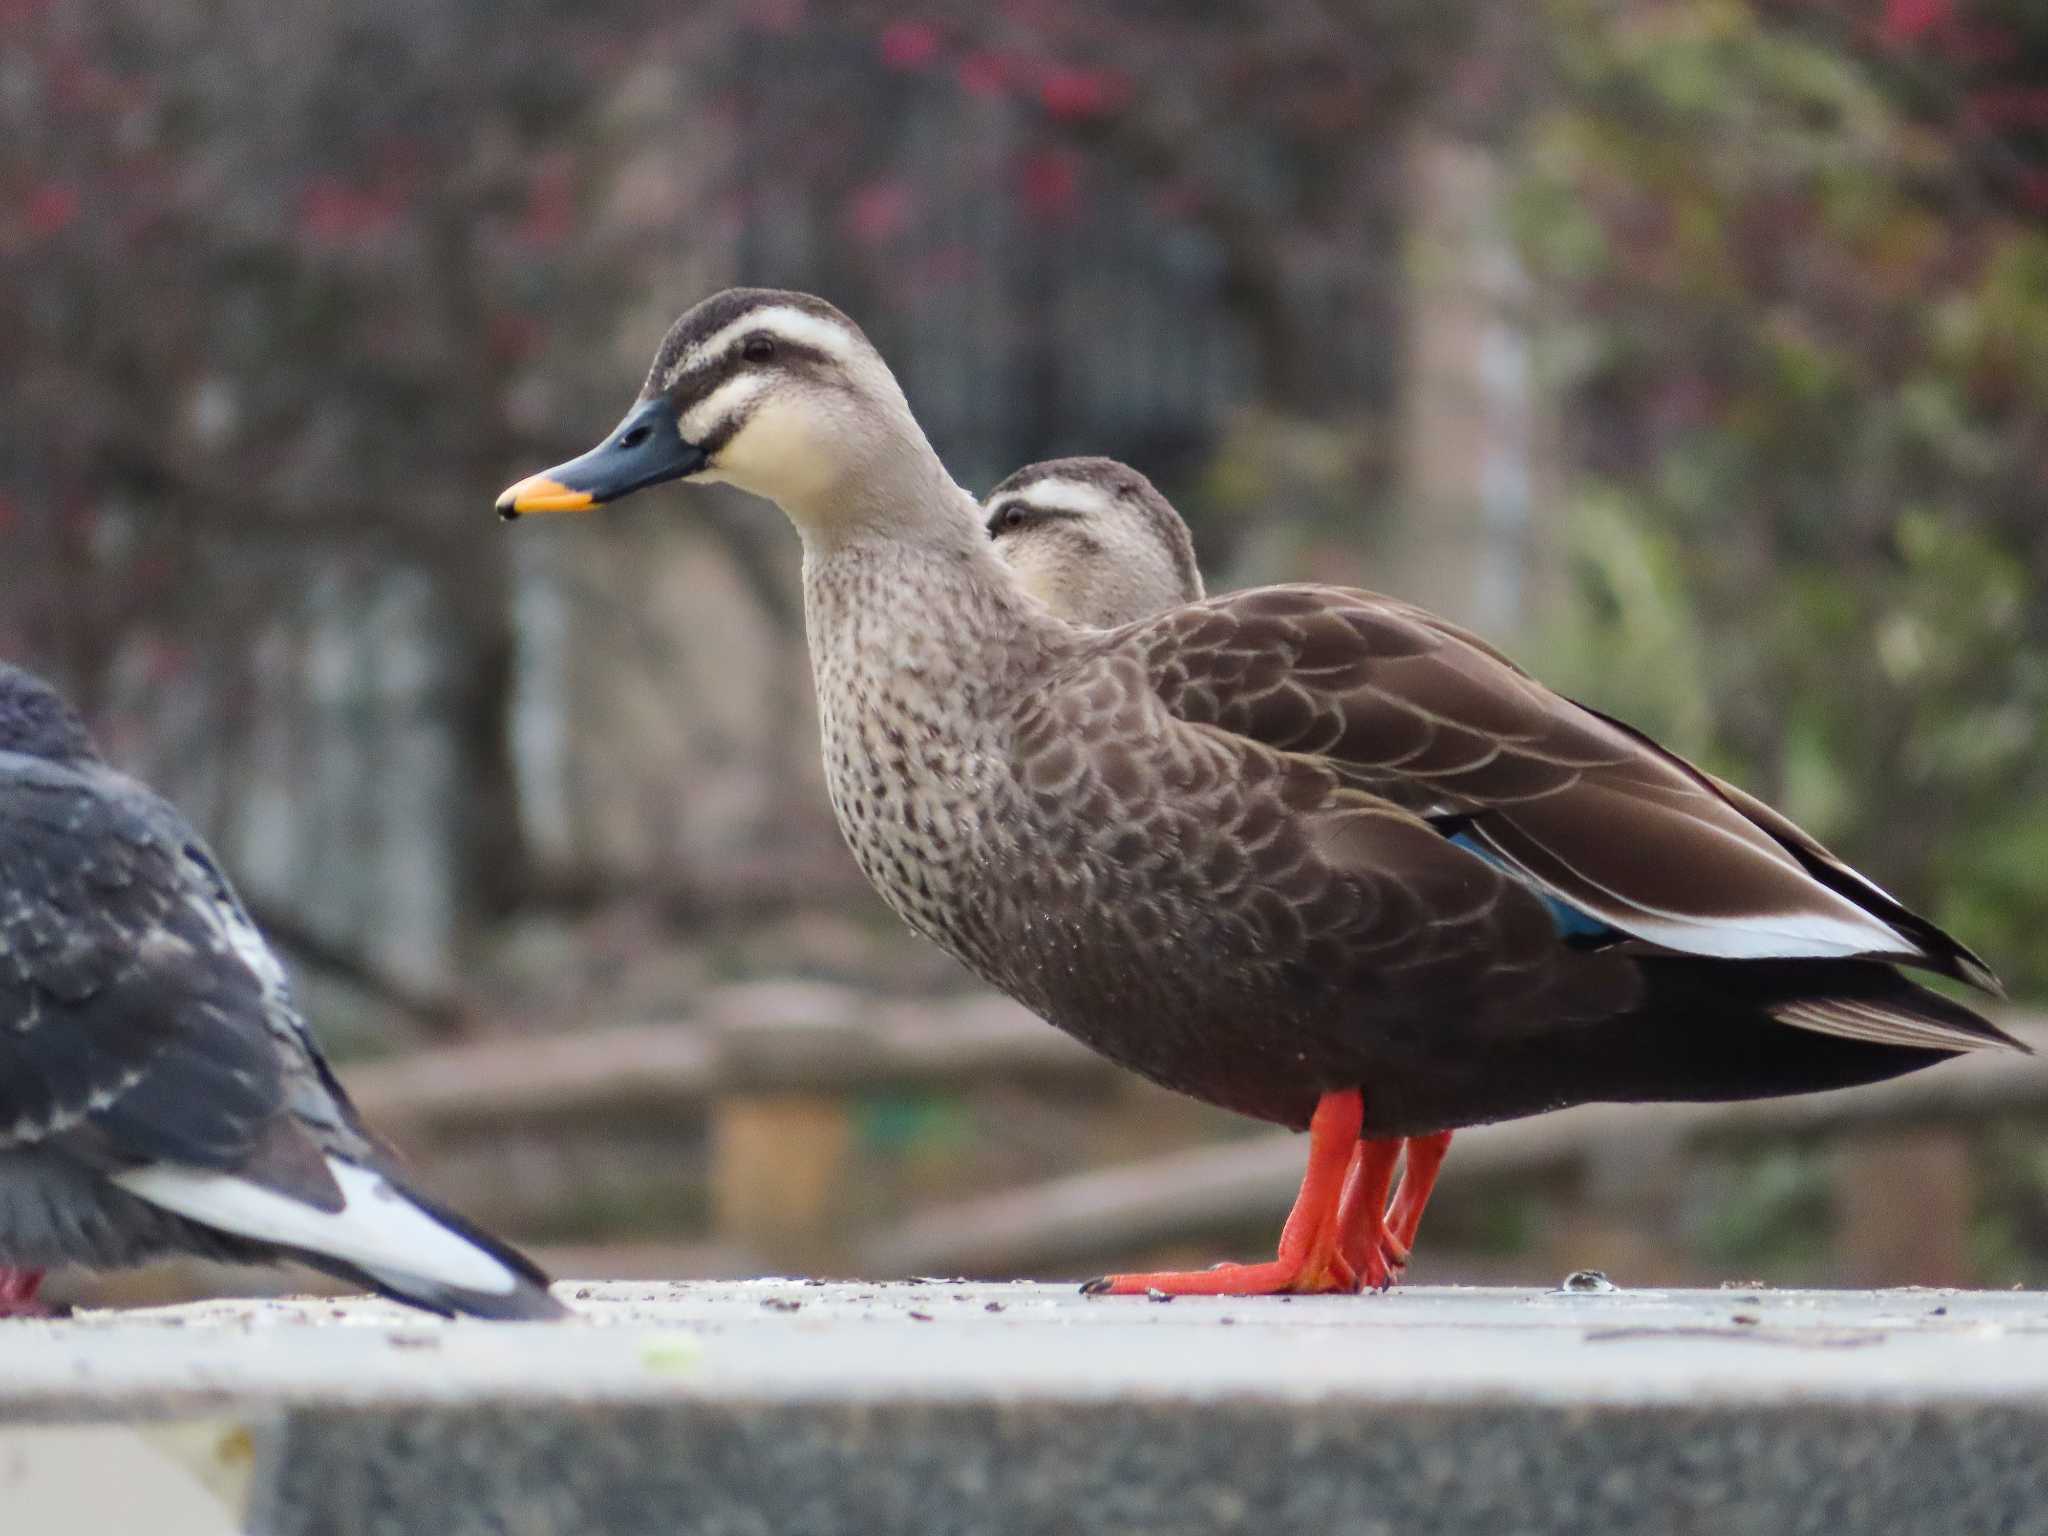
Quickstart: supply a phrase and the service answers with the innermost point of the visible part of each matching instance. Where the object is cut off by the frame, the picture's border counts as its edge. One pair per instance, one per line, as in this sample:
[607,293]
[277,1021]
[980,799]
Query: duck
[1097,543]
[161,1093]
[1093,540]
[1312,855]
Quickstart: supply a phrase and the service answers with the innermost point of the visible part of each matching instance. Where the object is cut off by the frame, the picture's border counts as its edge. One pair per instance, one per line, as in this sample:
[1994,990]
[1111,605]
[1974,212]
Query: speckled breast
[915,756]
[951,758]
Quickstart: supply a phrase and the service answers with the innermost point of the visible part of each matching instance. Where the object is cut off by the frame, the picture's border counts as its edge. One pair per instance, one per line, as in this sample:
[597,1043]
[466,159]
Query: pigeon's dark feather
[121,997]
[159,1091]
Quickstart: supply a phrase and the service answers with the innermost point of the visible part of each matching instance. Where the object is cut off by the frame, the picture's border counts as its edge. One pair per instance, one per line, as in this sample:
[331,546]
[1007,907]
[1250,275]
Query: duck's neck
[900,573]
[921,647]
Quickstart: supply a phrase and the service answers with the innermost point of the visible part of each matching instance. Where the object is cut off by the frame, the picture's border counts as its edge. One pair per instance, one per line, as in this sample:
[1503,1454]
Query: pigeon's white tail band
[377,1229]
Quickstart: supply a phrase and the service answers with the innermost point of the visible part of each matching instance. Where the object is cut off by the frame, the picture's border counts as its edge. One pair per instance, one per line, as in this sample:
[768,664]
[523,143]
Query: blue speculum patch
[1571,922]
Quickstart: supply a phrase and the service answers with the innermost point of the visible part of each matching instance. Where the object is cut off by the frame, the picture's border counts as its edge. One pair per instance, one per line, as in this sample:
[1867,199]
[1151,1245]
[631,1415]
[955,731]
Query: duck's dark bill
[642,450]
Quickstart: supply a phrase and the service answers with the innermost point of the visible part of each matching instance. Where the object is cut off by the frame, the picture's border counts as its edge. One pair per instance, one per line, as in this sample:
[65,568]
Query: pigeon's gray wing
[146,1030]
[125,1007]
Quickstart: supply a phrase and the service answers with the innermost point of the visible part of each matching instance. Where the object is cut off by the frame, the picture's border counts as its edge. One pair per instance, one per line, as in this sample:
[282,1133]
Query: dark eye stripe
[1034,515]
[786,351]
[707,376]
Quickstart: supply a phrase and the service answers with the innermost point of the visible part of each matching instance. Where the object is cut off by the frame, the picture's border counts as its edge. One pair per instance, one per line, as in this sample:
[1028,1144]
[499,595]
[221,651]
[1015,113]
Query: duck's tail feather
[1767,1027]
[1911,1016]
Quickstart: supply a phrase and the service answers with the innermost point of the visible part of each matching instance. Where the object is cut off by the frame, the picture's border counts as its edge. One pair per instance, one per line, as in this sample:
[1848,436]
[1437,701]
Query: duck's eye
[1013,516]
[633,437]
[757,349]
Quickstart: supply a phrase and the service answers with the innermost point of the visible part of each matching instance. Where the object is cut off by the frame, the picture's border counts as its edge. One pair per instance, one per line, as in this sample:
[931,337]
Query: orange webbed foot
[1308,1262]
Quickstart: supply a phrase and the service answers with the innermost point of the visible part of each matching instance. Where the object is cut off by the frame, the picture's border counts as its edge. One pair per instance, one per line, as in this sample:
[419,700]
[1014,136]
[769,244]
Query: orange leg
[1361,1216]
[1308,1260]
[1418,1178]
[18,1289]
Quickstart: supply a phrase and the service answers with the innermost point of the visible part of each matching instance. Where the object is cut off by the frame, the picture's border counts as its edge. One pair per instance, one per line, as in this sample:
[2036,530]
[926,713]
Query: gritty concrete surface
[933,1408]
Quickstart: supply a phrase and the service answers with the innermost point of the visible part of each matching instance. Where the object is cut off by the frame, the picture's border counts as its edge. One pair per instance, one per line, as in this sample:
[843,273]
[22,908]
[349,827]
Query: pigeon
[160,1092]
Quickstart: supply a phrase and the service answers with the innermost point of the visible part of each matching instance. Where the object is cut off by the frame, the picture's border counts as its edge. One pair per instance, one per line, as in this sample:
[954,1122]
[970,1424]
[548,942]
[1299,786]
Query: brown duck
[1310,854]
[1097,543]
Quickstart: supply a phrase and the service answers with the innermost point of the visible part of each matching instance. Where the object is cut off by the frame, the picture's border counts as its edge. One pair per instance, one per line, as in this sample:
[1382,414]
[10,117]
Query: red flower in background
[512,336]
[165,659]
[1180,199]
[550,214]
[77,83]
[1074,95]
[335,211]
[1906,21]
[2011,107]
[909,44]
[1050,185]
[51,207]
[878,212]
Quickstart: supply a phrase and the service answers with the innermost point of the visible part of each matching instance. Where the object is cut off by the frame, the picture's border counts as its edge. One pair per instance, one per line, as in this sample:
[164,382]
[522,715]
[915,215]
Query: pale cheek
[1039,582]
[1046,578]
[777,453]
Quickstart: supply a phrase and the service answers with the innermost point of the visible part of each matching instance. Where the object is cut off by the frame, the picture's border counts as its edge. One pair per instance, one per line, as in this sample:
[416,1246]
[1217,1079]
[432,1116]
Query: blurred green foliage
[2010,1233]
[1802,337]
[1769,1209]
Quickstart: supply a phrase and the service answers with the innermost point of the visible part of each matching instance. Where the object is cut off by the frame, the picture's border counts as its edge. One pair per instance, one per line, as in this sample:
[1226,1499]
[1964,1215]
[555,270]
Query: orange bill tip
[539,493]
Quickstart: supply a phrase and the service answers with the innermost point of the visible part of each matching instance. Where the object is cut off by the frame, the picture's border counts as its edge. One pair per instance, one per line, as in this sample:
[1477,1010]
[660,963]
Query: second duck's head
[1093,540]
[774,392]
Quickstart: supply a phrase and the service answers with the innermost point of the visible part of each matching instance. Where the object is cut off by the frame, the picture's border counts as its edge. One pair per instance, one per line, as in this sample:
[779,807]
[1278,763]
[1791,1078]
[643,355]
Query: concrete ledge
[779,1407]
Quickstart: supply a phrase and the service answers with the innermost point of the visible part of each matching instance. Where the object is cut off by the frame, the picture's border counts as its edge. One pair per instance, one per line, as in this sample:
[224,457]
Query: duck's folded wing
[126,1017]
[1293,869]
[1824,865]
[1593,814]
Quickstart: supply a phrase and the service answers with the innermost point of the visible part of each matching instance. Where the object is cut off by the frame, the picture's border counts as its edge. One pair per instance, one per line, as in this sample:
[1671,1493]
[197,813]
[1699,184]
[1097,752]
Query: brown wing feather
[1941,951]
[1373,890]
[1430,719]
[1237,922]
